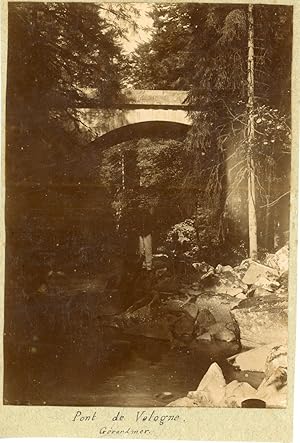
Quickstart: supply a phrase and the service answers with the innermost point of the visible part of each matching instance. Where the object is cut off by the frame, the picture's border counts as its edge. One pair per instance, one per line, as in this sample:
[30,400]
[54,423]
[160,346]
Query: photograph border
[194,423]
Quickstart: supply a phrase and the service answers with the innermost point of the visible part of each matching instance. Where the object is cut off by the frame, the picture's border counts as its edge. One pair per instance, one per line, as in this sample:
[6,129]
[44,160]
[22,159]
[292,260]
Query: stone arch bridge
[137,113]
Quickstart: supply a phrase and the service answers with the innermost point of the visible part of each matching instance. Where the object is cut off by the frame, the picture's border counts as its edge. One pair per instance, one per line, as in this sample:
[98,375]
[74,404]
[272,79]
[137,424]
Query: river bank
[150,349]
[245,307]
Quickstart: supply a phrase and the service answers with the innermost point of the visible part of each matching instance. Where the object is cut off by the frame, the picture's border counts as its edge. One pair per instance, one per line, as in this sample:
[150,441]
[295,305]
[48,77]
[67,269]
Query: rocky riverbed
[245,306]
[98,334]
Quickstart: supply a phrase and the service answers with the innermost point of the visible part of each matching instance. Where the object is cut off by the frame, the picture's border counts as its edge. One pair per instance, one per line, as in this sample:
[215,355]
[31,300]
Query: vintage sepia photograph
[147,205]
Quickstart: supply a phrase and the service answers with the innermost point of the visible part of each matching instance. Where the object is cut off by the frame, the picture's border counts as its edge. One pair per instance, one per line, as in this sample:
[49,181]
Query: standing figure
[145,226]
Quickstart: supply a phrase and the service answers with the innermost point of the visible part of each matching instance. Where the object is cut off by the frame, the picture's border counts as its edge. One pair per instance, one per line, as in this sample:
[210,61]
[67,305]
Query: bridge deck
[145,98]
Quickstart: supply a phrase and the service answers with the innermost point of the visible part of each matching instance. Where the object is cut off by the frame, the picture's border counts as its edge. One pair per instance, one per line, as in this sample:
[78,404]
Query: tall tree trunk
[269,217]
[252,222]
[123,170]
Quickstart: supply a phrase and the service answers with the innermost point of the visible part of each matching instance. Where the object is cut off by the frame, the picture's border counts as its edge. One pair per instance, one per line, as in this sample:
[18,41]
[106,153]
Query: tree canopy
[55,50]
[203,48]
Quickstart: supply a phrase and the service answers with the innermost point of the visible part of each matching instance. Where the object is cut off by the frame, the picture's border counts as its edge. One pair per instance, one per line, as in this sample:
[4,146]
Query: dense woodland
[220,193]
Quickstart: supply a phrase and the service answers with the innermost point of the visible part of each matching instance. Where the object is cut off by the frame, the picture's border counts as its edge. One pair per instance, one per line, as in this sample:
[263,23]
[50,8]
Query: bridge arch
[146,129]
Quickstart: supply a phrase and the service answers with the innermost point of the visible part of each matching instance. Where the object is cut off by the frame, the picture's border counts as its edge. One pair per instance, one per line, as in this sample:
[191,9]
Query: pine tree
[54,50]
[208,55]
[252,223]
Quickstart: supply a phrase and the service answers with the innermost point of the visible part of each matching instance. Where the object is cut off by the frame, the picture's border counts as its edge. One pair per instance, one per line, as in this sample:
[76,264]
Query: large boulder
[284,281]
[179,307]
[218,305]
[259,291]
[223,332]
[226,280]
[282,257]
[277,358]
[272,360]
[236,392]
[143,323]
[211,390]
[257,270]
[224,327]
[242,268]
[183,328]
[209,314]
[229,289]
[172,305]
[271,261]
[201,398]
[262,320]
[203,321]
[269,284]
[252,360]
[279,260]
[190,309]
[181,318]
[273,389]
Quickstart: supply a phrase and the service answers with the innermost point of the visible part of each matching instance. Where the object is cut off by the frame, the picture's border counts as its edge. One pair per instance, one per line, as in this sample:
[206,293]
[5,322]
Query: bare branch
[273,203]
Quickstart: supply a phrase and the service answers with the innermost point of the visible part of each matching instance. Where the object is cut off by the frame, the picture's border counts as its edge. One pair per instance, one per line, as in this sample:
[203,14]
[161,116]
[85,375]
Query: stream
[125,370]
[58,352]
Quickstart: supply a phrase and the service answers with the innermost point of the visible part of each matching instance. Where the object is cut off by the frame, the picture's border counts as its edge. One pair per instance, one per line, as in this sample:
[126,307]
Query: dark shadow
[159,129]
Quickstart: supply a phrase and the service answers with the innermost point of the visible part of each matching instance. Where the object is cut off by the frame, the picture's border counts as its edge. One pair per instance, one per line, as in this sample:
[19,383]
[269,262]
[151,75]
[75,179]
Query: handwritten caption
[117,423]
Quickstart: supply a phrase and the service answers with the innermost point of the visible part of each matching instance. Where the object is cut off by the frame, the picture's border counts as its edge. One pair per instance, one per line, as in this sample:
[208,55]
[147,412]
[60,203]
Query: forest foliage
[54,51]
[203,49]
[57,49]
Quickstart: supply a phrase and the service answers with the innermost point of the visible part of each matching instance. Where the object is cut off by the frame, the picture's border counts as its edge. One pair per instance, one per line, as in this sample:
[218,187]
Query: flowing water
[123,371]
[57,352]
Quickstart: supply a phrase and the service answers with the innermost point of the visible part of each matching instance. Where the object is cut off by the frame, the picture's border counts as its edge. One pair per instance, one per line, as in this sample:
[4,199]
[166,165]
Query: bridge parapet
[134,109]
[143,98]
[155,98]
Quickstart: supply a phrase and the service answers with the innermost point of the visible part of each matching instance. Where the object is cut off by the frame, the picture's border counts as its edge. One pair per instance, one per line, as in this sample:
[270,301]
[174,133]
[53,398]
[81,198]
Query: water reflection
[113,369]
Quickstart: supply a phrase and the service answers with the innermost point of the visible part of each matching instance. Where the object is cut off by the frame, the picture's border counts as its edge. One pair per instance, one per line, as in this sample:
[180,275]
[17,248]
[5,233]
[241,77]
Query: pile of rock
[245,279]
[213,391]
[205,320]
[263,315]
[245,305]
[256,293]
